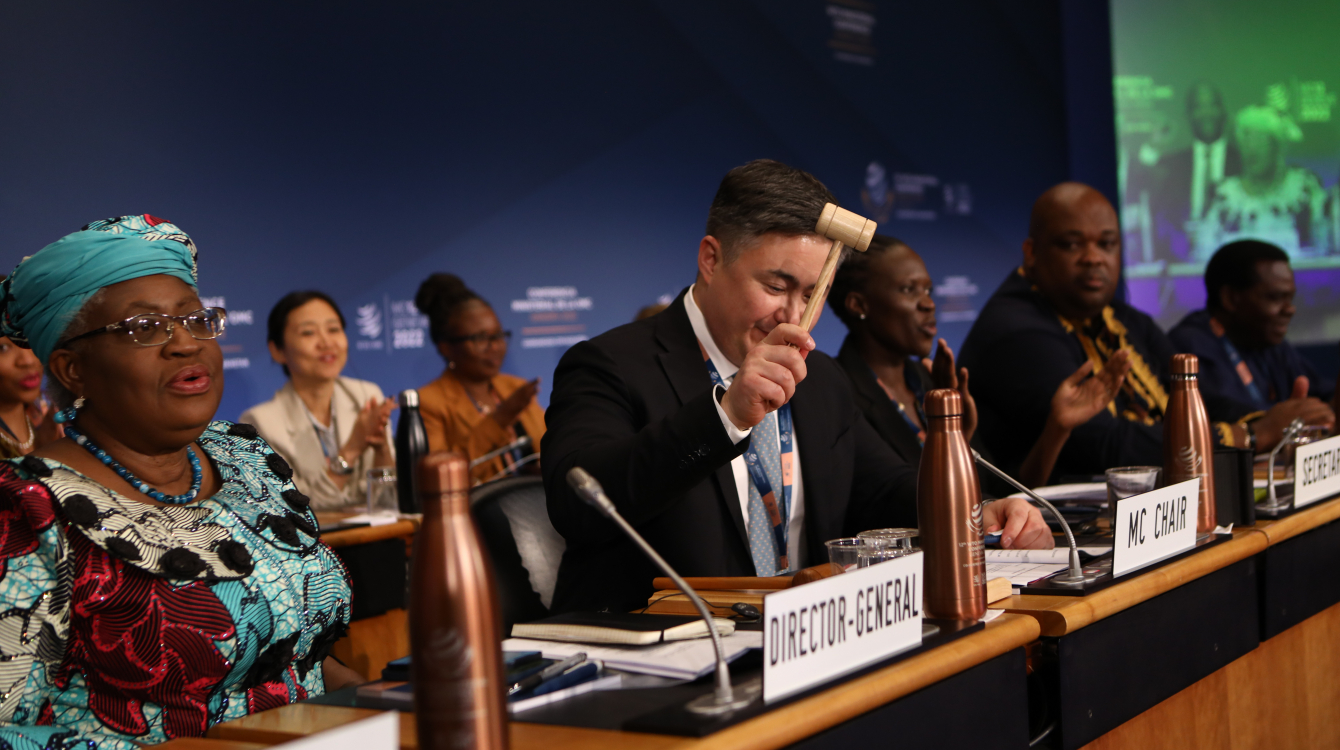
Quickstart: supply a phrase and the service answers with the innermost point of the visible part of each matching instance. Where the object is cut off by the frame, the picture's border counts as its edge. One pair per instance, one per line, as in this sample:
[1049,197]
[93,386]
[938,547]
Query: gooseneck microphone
[1076,575]
[520,442]
[725,699]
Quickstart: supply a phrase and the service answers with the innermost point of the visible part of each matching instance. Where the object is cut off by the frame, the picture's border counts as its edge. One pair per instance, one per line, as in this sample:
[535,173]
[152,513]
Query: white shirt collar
[699,323]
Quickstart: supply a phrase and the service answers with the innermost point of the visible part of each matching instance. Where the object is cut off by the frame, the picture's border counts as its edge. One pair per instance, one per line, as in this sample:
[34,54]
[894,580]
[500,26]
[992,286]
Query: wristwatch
[339,466]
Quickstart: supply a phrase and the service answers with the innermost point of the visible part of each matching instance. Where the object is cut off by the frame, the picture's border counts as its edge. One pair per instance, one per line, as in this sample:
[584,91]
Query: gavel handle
[820,292]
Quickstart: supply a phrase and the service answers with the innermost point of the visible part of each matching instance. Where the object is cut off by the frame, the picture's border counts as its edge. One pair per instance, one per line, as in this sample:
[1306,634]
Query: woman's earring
[67,416]
[862,316]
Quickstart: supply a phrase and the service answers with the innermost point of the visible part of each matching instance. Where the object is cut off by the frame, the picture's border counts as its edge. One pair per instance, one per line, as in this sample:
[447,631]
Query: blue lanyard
[778,516]
[1244,372]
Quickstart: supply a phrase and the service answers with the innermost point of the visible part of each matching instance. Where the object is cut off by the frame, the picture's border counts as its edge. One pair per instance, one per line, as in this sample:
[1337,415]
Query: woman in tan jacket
[474,408]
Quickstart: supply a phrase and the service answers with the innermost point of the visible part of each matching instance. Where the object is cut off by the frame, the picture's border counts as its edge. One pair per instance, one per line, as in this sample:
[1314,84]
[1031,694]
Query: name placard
[1316,471]
[815,632]
[1154,525]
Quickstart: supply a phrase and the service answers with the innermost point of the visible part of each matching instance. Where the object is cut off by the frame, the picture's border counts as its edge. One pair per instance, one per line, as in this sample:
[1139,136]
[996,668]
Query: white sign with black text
[815,632]
[1154,525]
[1316,471]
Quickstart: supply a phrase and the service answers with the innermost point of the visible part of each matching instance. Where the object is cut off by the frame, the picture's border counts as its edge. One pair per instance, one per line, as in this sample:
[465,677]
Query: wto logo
[370,320]
[975,519]
[1190,461]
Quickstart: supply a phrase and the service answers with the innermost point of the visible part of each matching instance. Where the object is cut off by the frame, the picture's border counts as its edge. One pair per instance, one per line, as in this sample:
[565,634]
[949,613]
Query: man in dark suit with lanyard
[718,432]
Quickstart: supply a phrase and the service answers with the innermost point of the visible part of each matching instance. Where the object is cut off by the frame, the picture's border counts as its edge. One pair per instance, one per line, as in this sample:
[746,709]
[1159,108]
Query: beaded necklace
[6,434]
[196,473]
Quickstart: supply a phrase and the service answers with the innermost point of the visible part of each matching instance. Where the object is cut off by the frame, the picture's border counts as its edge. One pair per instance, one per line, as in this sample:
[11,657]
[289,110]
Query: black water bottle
[411,444]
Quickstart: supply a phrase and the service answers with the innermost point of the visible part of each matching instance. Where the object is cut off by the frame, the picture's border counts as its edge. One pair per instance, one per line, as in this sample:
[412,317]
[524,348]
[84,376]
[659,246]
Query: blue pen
[575,676]
[548,673]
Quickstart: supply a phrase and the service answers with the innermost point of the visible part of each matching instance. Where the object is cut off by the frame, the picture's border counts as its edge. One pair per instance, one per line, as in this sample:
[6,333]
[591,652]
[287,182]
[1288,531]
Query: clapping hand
[943,375]
[510,408]
[1080,398]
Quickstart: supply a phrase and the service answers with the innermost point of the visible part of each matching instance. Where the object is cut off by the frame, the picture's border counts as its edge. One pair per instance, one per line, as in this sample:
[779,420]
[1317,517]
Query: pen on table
[547,673]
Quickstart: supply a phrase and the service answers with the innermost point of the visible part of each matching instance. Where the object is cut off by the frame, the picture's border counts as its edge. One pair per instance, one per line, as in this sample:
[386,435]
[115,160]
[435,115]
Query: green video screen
[1228,128]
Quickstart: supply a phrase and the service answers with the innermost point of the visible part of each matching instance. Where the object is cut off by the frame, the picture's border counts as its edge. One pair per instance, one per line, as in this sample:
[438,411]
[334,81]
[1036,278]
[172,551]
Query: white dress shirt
[1207,171]
[795,546]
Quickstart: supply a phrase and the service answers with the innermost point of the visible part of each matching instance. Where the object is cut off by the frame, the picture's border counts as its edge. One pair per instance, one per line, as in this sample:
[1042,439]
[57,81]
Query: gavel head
[840,224]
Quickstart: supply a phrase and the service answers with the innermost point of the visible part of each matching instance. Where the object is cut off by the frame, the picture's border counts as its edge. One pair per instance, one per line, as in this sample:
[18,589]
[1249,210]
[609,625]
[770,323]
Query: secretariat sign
[1153,526]
[836,625]
[1316,471]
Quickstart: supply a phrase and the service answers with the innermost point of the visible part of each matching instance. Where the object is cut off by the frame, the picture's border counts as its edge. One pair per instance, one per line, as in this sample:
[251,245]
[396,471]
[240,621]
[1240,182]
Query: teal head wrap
[47,289]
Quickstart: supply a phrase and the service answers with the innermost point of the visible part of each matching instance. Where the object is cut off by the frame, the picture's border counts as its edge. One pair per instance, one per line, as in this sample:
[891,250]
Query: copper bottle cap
[444,472]
[944,402]
[1185,364]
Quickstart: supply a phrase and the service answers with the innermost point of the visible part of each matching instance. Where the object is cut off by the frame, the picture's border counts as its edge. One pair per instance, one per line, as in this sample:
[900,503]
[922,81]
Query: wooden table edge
[809,716]
[365,534]
[1059,615]
[774,729]
[1303,521]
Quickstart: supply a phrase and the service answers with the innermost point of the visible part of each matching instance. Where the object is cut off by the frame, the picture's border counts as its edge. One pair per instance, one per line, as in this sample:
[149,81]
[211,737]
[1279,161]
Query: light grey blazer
[284,424]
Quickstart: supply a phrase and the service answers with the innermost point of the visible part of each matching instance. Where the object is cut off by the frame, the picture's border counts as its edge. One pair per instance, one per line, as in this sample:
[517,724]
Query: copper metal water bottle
[454,623]
[1188,446]
[949,513]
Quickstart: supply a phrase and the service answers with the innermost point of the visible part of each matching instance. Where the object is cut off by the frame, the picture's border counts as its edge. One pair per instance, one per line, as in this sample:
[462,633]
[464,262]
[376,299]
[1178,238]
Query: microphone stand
[1273,502]
[724,699]
[514,467]
[520,442]
[1075,576]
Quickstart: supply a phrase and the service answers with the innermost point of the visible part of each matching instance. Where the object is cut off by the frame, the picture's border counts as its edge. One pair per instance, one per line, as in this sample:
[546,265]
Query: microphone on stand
[520,442]
[1076,575]
[726,698]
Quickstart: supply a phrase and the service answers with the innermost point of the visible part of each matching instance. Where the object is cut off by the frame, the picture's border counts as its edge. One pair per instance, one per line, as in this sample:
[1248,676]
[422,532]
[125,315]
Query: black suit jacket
[884,417]
[1018,353]
[635,408]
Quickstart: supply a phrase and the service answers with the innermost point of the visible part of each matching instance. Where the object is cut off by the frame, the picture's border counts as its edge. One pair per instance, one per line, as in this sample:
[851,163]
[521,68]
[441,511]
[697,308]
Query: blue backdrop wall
[559,157]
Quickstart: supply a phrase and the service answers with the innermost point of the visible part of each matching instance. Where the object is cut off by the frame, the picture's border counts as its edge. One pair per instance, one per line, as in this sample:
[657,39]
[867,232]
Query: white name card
[1154,525]
[1316,471]
[815,632]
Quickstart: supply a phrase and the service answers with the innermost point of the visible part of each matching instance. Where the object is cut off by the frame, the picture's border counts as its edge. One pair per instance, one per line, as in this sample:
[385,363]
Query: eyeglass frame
[478,339]
[173,321]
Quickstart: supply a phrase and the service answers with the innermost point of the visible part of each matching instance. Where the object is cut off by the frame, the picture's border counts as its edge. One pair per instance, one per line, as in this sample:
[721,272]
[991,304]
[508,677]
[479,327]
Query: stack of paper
[685,660]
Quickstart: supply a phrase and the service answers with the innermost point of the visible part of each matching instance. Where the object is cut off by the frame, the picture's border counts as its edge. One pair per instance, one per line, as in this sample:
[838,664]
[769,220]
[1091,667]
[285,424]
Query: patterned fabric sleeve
[35,582]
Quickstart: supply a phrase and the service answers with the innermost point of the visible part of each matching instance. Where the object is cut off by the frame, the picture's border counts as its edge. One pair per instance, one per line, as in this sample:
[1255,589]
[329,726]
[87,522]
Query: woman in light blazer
[331,429]
[474,408]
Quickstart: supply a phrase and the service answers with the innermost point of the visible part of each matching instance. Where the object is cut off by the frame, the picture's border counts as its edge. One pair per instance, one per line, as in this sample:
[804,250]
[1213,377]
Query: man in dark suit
[1181,185]
[661,410]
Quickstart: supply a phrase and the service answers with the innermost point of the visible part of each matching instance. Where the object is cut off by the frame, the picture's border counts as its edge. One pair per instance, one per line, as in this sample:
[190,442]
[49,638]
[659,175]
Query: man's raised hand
[768,376]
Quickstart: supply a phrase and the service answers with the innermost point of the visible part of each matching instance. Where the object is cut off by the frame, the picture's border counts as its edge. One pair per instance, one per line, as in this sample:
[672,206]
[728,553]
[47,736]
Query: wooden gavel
[844,228]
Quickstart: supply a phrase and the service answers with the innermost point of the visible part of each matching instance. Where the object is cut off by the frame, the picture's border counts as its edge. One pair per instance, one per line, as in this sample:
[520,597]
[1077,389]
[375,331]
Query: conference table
[1231,646]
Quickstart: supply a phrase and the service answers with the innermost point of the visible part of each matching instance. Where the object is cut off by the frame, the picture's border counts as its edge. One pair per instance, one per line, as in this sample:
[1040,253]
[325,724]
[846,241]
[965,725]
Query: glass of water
[382,496]
[879,545]
[1128,481]
[845,553]
[1308,434]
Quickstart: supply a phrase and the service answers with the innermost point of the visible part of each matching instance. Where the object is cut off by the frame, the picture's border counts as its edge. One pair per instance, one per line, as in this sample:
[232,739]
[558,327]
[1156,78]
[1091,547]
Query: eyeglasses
[155,329]
[482,339]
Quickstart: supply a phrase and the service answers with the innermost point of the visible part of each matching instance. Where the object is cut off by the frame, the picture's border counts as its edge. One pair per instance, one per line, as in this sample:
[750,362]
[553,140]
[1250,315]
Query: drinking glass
[1308,434]
[845,553]
[382,497]
[879,545]
[1128,481]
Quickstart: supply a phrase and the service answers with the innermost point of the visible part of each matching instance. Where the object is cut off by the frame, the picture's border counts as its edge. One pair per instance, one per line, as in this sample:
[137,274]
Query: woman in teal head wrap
[167,562]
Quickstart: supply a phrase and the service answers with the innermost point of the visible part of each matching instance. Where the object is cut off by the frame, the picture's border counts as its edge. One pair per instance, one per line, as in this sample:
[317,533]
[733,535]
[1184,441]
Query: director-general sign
[837,625]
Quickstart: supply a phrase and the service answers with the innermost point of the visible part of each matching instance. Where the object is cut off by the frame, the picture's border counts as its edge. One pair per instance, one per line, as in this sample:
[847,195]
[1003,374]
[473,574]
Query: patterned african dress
[124,623]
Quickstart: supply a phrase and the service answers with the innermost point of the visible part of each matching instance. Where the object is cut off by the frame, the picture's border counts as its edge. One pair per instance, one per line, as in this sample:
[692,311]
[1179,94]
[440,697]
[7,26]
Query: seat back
[525,548]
